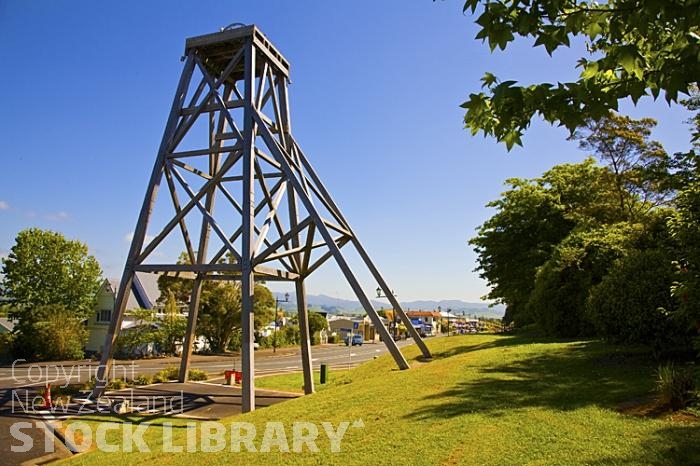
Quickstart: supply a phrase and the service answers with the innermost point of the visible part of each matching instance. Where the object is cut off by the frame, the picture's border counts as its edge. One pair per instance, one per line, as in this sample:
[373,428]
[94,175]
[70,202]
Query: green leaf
[488,80]
[589,70]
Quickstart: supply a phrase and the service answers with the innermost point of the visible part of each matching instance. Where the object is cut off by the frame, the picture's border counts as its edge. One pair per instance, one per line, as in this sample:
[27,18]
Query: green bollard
[324,373]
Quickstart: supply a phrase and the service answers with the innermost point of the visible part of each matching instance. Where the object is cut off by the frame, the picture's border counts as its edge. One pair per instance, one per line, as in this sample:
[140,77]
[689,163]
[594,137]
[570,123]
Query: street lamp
[448,321]
[393,311]
[277,304]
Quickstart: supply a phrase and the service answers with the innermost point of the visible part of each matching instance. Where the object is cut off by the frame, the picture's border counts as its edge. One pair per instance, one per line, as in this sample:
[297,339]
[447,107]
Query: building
[97,324]
[426,323]
[6,325]
[342,326]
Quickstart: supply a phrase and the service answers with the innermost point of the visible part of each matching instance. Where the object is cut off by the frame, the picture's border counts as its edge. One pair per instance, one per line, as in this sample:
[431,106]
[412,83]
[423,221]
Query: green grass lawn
[484,399]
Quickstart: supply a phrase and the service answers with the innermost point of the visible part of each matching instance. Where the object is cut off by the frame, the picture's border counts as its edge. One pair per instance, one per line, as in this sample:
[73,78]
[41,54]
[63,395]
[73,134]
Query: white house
[97,324]
[143,291]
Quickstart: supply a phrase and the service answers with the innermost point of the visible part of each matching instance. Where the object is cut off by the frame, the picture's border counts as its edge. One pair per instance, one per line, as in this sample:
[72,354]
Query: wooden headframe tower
[240,188]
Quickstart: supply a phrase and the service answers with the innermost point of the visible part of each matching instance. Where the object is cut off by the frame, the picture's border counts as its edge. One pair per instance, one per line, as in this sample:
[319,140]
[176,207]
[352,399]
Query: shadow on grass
[582,374]
[562,379]
[675,445]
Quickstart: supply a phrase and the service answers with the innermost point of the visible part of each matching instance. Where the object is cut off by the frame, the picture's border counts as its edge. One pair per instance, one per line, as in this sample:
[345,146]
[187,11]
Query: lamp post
[393,311]
[448,321]
[277,303]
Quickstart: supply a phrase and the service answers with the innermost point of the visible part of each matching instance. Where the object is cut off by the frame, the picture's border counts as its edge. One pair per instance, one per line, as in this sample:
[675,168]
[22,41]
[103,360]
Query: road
[23,374]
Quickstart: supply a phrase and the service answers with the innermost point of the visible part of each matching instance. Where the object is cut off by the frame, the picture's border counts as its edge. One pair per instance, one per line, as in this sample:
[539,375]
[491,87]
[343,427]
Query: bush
[564,282]
[235,343]
[143,380]
[197,375]
[6,345]
[53,333]
[633,303]
[167,374]
[116,384]
[90,384]
[675,384]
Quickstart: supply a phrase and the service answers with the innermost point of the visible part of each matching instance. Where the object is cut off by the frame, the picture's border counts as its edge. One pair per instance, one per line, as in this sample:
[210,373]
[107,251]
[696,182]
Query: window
[105,315]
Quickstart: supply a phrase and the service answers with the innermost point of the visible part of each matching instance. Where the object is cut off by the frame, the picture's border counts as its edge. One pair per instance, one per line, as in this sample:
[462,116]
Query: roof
[7,324]
[422,314]
[148,290]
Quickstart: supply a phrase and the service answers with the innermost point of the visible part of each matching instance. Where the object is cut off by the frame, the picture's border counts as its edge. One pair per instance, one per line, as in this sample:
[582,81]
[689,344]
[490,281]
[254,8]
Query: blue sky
[375,94]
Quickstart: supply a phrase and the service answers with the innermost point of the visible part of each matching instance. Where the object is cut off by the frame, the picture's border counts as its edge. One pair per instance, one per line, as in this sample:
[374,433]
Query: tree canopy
[531,219]
[220,305]
[45,268]
[635,48]
[590,250]
[52,284]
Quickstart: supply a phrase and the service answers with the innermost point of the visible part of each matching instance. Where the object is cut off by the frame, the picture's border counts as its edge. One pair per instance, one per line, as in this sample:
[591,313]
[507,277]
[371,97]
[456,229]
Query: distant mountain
[340,306]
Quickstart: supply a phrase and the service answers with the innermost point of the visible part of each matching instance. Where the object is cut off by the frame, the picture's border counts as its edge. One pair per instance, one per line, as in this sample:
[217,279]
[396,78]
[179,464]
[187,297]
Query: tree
[577,264]
[136,341]
[633,302]
[54,333]
[531,219]
[316,323]
[263,306]
[172,327]
[638,165]
[181,288]
[683,225]
[219,314]
[44,268]
[45,273]
[220,311]
[220,305]
[636,48]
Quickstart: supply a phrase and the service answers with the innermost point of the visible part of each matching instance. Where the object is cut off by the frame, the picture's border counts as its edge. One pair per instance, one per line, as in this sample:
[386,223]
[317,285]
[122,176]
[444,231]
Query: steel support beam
[248,221]
[281,157]
[303,314]
[141,228]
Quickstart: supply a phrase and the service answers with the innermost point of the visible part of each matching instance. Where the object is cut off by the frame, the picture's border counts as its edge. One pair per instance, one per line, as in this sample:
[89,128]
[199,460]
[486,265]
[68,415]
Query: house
[342,326]
[97,324]
[6,325]
[426,323]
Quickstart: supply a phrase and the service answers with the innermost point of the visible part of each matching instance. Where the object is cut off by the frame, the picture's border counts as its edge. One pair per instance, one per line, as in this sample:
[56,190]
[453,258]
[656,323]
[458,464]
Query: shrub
[143,379]
[6,343]
[633,303]
[564,282]
[90,384]
[197,375]
[116,384]
[675,384]
[167,374]
[53,333]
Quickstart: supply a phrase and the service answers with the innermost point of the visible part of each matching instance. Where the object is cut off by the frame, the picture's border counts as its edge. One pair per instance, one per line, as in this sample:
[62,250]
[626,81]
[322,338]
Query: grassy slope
[483,400]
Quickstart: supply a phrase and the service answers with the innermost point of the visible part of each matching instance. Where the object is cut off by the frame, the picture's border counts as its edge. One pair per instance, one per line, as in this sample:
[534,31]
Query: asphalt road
[23,374]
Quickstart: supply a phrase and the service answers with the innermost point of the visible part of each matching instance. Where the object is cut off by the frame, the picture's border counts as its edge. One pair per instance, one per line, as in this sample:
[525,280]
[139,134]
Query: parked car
[356,340]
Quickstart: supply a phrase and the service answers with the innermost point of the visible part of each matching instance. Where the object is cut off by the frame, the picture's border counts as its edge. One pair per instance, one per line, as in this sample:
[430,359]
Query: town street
[24,374]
